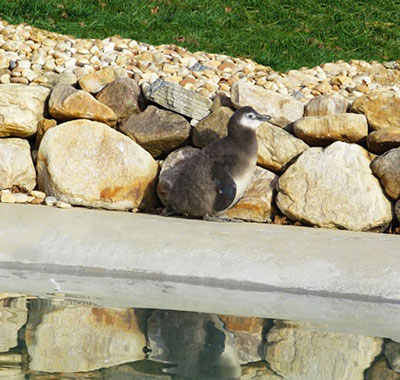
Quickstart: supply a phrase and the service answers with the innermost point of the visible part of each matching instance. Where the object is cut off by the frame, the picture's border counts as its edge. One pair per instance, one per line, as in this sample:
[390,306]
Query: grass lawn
[284,34]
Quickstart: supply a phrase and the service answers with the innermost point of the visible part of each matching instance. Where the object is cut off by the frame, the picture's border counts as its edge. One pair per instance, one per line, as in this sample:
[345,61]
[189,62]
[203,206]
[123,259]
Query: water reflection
[55,339]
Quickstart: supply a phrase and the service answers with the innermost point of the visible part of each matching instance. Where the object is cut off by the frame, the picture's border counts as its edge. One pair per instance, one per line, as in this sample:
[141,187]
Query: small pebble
[21,197]
[50,200]
[7,197]
[61,204]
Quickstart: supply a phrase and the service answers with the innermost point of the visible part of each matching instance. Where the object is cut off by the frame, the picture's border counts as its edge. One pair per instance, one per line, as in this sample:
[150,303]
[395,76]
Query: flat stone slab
[347,280]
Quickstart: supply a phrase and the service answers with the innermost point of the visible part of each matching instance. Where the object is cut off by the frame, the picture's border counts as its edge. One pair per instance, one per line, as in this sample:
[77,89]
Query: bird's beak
[263,117]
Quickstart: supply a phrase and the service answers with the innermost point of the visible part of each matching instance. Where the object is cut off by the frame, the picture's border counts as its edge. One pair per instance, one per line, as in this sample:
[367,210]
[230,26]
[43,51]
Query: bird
[213,180]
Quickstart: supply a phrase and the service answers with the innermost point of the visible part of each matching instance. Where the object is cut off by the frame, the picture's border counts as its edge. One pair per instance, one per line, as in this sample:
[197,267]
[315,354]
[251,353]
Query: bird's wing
[225,188]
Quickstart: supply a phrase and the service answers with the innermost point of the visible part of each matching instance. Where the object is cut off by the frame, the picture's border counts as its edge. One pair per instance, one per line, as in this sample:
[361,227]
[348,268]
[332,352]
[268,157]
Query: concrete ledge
[350,281]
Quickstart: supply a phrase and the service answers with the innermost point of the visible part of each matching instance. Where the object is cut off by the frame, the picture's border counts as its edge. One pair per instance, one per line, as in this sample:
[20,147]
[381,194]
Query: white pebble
[50,200]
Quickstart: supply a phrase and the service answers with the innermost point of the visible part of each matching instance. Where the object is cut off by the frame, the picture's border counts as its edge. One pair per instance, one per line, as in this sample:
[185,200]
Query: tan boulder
[334,188]
[381,371]
[283,109]
[42,127]
[303,351]
[67,103]
[212,127]
[382,109]
[387,169]
[326,105]
[276,147]
[83,338]
[86,163]
[158,131]
[16,166]
[21,108]
[323,130]
[383,139]
[96,81]
[13,315]
[257,202]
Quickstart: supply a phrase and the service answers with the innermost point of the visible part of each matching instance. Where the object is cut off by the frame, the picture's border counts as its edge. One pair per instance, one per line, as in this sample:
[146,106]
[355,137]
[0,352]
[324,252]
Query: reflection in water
[52,339]
[195,343]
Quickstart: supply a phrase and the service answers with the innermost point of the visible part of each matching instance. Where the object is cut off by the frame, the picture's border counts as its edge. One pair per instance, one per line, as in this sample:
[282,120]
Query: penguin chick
[214,179]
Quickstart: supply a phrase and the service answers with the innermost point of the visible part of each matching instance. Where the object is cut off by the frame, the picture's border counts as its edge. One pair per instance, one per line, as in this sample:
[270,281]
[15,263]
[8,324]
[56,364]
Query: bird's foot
[209,218]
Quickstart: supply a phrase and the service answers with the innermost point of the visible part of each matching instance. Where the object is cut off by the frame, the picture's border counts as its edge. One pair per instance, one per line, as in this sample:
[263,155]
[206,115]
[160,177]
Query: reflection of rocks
[12,373]
[82,338]
[258,371]
[381,371]
[392,353]
[142,370]
[13,315]
[298,351]
[248,337]
[196,343]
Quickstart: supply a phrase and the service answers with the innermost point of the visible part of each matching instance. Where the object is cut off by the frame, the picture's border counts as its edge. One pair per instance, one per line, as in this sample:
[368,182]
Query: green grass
[284,34]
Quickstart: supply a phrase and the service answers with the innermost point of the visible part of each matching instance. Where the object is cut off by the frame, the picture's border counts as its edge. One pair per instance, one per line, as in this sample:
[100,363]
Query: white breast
[242,182]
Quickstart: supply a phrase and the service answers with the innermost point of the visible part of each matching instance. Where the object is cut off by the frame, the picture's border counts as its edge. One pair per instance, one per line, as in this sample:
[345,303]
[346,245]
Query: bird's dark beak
[263,117]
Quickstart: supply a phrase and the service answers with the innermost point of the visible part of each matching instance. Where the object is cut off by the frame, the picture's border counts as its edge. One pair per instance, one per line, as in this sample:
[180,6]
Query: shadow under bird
[214,179]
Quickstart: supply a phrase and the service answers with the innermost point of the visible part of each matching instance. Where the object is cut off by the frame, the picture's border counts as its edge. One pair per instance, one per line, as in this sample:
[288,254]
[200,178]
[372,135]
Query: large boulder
[87,163]
[122,96]
[283,109]
[382,109]
[304,351]
[83,338]
[387,169]
[21,109]
[276,147]
[68,103]
[158,131]
[323,130]
[16,166]
[326,105]
[381,371]
[334,188]
[383,139]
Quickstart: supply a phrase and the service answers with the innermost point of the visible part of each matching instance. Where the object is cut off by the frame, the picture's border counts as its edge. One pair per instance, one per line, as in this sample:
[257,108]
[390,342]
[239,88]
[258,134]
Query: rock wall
[104,121]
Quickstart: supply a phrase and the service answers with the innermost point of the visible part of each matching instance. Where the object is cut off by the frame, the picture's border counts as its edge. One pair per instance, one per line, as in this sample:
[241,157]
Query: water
[55,338]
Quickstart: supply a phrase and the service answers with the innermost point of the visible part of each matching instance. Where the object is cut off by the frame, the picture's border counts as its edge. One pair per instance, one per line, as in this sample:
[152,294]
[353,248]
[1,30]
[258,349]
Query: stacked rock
[100,135]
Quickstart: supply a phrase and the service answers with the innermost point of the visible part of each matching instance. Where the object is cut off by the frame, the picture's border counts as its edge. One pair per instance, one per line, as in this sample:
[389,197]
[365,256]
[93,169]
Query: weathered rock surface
[323,130]
[171,333]
[326,105]
[381,371]
[122,96]
[212,127]
[13,315]
[387,169]
[334,188]
[21,108]
[99,79]
[257,203]
[392,353]
[178,99]
[67,103]
[298,351]
[82,338]
[283,109]
[12,373]
[87,163]
[42,127]
[397,210]
[384,139]
[258,371]
[156,130]
[276,147]
[382,109]
[248,336]
[144,370]
[16,166]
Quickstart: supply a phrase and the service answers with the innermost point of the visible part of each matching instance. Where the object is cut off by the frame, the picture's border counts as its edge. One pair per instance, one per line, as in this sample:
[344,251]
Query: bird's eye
[251,115]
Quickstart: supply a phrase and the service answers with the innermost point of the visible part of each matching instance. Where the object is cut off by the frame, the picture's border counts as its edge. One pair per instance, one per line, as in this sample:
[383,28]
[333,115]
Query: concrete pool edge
[345,279]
